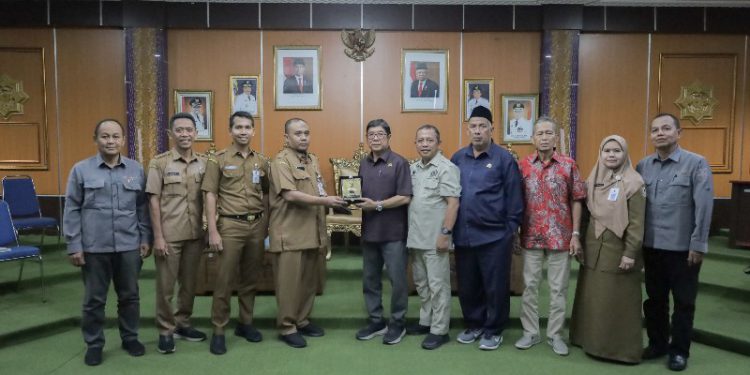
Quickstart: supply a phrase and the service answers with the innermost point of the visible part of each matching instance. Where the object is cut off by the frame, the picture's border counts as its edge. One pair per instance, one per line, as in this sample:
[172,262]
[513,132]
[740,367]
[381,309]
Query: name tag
[173,173]
[613,193]
[230,167]
[256,176]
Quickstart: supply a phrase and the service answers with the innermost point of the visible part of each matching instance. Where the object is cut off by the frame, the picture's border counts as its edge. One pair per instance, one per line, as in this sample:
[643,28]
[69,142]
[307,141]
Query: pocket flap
[93,184]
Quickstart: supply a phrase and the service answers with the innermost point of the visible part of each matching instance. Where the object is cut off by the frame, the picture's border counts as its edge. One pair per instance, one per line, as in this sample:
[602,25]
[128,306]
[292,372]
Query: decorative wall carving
[696,102]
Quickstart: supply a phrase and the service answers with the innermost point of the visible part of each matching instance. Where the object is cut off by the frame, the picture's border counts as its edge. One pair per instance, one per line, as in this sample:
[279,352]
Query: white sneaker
[558,346]
[490,342]
[527,341]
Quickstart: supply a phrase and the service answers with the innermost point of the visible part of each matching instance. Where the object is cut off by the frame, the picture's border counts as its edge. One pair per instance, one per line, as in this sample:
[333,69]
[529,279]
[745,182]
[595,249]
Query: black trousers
[483,274]
[668,271]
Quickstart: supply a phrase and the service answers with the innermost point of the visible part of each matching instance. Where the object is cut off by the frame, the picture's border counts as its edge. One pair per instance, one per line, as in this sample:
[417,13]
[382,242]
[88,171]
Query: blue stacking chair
[20,194]
[10,250]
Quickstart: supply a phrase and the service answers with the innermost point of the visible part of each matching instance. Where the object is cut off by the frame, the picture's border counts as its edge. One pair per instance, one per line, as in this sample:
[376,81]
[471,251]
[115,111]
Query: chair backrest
[20,194]
[7,232]
[347,167]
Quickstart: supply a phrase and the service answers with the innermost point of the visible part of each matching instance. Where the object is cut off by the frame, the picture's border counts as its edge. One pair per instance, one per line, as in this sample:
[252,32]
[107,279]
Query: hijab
[610,189]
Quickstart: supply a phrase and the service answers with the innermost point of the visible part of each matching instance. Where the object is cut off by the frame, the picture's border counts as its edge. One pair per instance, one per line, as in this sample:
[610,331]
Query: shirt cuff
[699,246]
[75,248]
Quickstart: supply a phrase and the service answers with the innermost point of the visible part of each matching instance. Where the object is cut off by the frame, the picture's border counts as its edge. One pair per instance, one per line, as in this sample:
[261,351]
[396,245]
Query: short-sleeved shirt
[177,183]
[431,183]
[491,204]
[680,201]
[238,182]
[382,179]
[548,190]
[296,226]
[106,209]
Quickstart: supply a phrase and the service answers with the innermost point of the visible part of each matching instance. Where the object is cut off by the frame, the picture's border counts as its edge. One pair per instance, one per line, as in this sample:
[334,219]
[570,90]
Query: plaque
[351,188]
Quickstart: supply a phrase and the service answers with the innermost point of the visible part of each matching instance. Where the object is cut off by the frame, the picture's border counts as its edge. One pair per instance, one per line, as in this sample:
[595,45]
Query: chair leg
[20,273]
[59,235]
[41,275]
[346,241]
[44,231]
[328,253]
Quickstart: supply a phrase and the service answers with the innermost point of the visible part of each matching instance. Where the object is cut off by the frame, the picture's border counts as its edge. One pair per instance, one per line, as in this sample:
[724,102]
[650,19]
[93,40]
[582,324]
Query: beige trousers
[432,278]
[558,274]
[180,266]
[296,280]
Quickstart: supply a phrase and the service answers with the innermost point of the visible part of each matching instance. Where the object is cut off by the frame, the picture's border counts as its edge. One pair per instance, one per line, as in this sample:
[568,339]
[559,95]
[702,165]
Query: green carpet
[50,330]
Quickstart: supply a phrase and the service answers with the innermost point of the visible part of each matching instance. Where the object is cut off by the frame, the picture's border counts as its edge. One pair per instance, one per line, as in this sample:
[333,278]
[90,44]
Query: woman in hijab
[606,320]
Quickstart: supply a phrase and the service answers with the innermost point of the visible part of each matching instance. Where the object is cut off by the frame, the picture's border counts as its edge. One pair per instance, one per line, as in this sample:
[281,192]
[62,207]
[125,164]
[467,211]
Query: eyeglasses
[376,135]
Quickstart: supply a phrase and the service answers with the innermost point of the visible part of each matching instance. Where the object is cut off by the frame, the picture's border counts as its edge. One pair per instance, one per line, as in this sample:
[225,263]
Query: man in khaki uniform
[298,231]
[236,189]
[176,203]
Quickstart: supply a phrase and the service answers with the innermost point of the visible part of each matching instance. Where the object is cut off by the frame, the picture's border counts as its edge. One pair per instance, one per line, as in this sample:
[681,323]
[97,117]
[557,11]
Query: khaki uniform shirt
[296,226]
[239,183]
[177,183]
[430,183]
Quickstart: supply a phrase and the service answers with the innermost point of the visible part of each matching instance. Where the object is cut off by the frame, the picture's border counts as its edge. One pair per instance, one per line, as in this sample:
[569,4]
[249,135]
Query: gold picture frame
[486,88]
[297,80]
[200,104]
[424,80]
[239,100]
[519,112]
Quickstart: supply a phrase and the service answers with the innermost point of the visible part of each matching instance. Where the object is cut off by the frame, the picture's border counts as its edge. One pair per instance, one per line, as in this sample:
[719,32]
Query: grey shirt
[106,209]
[679,201]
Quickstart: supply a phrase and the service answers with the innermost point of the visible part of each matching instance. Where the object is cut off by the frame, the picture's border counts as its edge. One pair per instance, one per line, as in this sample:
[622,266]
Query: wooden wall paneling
[91,66]
[382,82]
[613,70]
[513,60]
[39,110]
[715,60]
[335,129]
[204,60]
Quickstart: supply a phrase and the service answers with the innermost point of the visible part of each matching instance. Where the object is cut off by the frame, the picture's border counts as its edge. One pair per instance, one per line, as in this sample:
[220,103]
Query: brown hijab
[609,209]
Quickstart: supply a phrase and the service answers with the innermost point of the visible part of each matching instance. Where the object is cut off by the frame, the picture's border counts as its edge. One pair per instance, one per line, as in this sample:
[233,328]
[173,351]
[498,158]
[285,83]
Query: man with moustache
[679,187]
[432,213]
[236,187]
[107,230]
[386,192]
[176,202]
[298,232]
[490,211]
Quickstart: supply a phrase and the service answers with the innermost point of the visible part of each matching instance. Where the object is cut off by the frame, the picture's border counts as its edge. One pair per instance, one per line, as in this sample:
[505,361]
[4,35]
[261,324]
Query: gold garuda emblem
[696,102]
[358,43]
[12,96]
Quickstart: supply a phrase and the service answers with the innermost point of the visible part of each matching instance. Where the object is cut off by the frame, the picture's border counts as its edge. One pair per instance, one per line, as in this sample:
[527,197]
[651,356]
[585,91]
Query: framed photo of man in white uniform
[520,111]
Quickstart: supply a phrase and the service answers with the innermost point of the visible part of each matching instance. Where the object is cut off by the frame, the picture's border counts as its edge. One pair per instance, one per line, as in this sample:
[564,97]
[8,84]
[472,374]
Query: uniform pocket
[173,185]
[94,194]
[131,187]
[679,190]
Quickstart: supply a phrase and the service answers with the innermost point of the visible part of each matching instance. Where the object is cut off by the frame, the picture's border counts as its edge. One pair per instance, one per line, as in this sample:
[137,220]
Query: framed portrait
[297,77]
[519,114]
[244,92]
[424,80]
[200,104]
[478,92]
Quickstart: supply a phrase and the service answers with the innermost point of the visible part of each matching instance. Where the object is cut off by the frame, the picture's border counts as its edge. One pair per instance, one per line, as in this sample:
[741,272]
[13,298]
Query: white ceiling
[658,3]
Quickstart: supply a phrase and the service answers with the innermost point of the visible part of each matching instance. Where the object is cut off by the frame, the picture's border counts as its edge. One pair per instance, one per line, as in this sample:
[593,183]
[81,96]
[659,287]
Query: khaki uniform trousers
[180,266]
[432,278]
[296,280]
[558,274]
[241,259]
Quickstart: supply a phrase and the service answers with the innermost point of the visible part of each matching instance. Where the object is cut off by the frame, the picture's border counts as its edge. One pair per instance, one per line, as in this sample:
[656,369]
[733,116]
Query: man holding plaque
[386,192]
[298,231]
[432,213]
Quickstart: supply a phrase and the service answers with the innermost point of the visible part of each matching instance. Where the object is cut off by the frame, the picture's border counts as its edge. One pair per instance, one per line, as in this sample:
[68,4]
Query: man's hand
[214,241]
[626,263]
[575,246]
[367,204]
[160,247]
[334,201]
[145,250]
[76,259]
[443,242]
[694,258]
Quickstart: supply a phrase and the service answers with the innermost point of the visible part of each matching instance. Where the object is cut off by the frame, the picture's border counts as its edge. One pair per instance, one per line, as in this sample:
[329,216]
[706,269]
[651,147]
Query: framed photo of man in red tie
[297,82]
[519,114]
[424,80]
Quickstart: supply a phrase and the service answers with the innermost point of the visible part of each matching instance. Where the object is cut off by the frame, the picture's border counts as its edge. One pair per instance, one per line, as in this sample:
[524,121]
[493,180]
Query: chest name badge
[613,193]
[256,175]
[230,167]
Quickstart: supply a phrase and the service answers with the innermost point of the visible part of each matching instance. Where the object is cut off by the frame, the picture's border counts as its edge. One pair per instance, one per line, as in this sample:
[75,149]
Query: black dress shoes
[677,362]
[434,341]
[652,352]
[295,340]
[311,330]
[218,346]
[93,356]
[248,332]
[134,348]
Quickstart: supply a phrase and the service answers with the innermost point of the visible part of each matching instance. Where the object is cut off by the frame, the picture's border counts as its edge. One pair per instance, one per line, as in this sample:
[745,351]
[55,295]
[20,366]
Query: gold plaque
[696,102]
[351,188]
[12,96]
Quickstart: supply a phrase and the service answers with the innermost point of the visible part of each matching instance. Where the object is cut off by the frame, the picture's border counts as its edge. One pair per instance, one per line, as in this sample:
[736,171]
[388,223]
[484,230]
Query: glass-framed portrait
[200,104]
[424,80]
[297,83]
[478,92]
[244,92]
[520,111]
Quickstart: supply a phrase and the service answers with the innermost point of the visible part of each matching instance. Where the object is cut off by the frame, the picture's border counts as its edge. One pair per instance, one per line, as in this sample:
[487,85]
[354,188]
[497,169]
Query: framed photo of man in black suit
[297,82]
[424,80]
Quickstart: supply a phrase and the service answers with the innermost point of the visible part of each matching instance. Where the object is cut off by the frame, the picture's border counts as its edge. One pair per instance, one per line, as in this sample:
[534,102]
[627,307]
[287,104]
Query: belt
[246,217]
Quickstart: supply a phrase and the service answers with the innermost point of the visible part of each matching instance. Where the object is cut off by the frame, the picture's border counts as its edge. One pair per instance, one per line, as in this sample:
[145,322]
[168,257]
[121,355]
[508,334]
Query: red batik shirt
[549,189]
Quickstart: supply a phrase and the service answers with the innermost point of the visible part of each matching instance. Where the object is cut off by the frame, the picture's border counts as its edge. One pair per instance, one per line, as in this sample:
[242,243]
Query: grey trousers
[122,269]
[395,257]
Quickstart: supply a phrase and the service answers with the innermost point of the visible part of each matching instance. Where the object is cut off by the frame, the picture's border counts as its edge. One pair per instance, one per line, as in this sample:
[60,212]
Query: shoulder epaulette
[162,155]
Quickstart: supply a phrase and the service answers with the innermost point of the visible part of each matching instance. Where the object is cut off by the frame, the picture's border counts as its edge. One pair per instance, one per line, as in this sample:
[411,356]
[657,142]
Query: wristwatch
[576,233]
[446,231]
[379,207]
